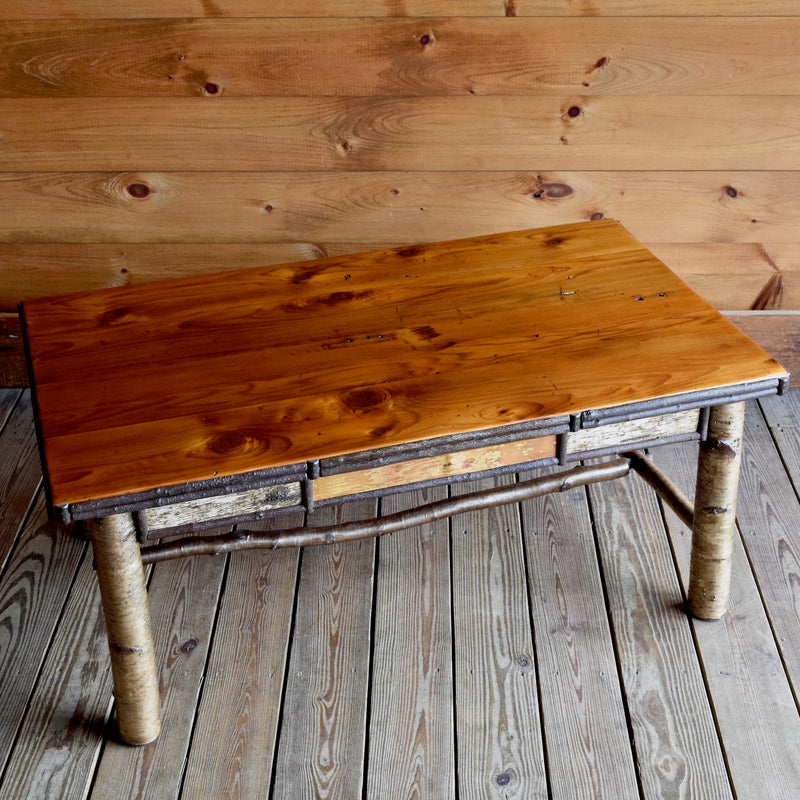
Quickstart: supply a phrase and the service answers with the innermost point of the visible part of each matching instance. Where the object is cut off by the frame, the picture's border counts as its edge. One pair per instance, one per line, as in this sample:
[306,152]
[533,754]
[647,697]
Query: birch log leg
[715,512]
[130,640]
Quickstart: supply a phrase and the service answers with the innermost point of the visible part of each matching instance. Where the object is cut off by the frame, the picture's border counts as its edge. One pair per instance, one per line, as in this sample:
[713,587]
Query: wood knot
[114,315]
[552,191]
[366,400]
[138,190]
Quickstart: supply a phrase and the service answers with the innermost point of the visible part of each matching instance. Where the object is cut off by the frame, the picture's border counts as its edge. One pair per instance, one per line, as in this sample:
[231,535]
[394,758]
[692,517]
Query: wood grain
[583,709]
[35,581]
[768,512]
[58,744]
[498,731]
[741,663]
[411,701]
[378,351]
[435,467]
[31,269]
[758,276]
[227,506]
[218,58]
[742,670]
[398,207]
[741,132]
[242,695]
[622,433]
[90,9]
[183,599]
[8,399]
[782,415]
[35,270]
[671,720]
[20,473]
[323,735]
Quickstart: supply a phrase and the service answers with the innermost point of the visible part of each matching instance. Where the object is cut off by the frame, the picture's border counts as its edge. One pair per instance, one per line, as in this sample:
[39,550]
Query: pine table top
[187,380]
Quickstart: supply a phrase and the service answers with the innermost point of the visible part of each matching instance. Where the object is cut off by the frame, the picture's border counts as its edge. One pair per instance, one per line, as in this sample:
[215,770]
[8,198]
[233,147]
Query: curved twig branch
[306,536]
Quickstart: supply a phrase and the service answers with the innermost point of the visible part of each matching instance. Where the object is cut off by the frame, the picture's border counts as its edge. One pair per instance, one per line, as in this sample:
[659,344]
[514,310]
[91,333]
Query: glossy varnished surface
[185,380]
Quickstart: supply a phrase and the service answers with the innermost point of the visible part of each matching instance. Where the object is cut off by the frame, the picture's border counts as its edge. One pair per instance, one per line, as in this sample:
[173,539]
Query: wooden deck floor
[525,652]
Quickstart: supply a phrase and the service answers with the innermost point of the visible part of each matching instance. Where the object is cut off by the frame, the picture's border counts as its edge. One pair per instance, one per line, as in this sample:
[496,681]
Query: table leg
[122,588]
[715,512]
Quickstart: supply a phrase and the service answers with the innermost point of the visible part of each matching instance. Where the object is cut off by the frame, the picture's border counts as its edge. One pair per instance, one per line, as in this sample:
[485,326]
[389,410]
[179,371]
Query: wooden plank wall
[153,139]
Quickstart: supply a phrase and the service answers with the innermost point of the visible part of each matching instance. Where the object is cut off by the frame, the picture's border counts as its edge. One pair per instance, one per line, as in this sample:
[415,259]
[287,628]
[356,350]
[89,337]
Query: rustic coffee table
[166,408]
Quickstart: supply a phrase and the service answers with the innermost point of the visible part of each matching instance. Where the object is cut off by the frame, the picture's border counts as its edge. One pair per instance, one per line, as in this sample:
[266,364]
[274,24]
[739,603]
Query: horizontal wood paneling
[397,57]
[344,134]
[397,206]
[89,9]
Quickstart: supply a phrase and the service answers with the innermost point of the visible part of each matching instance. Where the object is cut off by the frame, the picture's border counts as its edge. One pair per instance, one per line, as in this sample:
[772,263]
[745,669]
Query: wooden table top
[187,380]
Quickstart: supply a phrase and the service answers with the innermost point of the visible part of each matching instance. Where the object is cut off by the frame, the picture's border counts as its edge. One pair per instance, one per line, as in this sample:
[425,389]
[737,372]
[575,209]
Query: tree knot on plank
[138,190]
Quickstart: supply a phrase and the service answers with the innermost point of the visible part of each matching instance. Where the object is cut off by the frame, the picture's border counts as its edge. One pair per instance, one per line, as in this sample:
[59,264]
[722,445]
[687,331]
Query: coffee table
[164,409]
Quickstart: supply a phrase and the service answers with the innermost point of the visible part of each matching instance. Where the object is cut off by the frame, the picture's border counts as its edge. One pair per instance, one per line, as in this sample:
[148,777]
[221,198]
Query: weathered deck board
[498,726]
[783,417]
[60,745]
[769,518]
[244,679]
[741,662]
[183,597]
[411,743]
[61,736]
[20,472]
[32,592]
[8,397]
[671,719]
[586,730]
[323,727]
